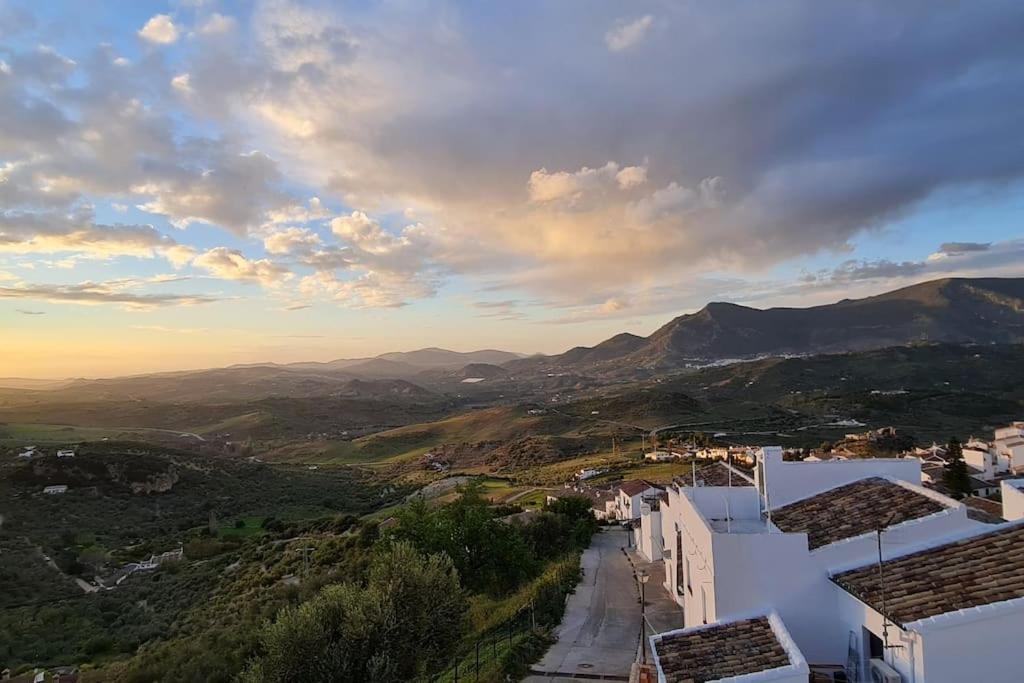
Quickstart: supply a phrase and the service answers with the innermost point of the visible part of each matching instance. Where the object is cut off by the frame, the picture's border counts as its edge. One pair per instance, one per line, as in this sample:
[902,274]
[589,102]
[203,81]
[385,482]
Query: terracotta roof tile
[637,486]
[976,571]
[852,510]
[716,652]
[984,509]
[717,474]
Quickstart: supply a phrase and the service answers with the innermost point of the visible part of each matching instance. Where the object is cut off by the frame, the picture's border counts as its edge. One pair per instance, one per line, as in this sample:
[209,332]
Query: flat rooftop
[852,510]
[722,651]
[977,571]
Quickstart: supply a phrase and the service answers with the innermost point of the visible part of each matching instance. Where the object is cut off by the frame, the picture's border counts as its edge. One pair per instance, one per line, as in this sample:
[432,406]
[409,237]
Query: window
[679,563]
[689,587]
[703,604]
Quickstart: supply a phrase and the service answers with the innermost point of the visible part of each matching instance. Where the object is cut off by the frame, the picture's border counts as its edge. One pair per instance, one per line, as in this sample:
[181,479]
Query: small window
[704,604]
[689,587]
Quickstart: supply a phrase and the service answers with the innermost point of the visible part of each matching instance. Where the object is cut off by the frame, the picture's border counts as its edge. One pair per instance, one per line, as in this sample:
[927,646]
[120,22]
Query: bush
[402,625]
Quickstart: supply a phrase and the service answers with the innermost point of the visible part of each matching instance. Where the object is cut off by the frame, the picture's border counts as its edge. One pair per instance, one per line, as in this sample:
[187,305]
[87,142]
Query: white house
[662,456]
[985,460]
[754,649]
[55,490]
[731,551]
[710,452]
[1014,431]
[1013,498]
[952,612]
[630,497]
[649,542]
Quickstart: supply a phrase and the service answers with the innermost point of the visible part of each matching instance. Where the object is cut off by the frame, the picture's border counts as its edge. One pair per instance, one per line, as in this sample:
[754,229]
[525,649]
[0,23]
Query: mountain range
[954,310]
[960,311]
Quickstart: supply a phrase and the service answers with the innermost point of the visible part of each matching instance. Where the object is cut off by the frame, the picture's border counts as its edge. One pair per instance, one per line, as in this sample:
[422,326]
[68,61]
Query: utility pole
[643,576]
[889,521]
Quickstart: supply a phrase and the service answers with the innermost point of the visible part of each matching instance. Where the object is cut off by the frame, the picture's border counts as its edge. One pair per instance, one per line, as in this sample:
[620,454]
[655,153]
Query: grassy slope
[405,443]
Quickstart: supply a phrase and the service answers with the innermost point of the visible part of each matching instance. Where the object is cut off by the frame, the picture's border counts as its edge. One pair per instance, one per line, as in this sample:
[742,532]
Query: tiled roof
[717,474]
[852,510]
[716,652]
[632,488]
[983,509]
[976,571]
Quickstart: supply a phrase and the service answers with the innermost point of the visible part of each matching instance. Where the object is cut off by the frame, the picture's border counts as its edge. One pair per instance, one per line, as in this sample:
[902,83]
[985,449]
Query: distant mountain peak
[951,310]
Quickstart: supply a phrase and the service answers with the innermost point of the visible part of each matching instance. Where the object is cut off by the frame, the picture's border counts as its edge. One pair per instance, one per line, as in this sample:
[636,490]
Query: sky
[199,183]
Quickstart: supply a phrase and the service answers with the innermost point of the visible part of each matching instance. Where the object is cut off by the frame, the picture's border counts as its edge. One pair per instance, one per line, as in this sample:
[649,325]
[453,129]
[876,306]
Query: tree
[954,474]
[489,555]
[403,624]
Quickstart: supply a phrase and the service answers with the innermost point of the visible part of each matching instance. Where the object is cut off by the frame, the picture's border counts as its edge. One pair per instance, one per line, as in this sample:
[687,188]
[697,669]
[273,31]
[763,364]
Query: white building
[630,498]
[649,542]
[66,453]
[732,552]
[783,482]
[662,456]
[1014,431]
[1013,498]
[953,612]
[55,490]
[712,452]
[755,649]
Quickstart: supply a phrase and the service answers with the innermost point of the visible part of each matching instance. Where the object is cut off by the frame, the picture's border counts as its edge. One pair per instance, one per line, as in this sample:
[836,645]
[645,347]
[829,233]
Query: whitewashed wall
[786,482]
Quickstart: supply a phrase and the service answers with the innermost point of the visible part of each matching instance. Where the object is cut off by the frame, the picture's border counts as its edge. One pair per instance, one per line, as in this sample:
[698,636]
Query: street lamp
[644,578]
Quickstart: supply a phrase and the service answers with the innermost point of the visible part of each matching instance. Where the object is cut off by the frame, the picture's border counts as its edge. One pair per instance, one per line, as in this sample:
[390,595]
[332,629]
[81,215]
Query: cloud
[501,155]
[544,186]
[181,84]
[627,34]
[291,239]
[217,24]
[94,293]
[160,29]
[27,312]
[231,194]
[951,248]
[231,264]
[76,233]
[499,310]
[853,270]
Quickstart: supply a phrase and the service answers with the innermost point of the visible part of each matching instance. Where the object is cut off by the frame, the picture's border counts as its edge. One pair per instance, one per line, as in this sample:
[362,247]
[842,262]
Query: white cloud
[120,292]
[631,176]
[159,29]
[290,240]
[626,34]
[545,186]
[217,24]
[231,264]
[181,83]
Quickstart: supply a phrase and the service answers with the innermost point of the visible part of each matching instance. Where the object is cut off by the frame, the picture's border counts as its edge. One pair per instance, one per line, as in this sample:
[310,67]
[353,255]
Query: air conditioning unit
[883,673]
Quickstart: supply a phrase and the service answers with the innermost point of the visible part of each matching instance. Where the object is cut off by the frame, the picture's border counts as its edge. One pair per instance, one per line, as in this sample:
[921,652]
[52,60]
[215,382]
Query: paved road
[601,628]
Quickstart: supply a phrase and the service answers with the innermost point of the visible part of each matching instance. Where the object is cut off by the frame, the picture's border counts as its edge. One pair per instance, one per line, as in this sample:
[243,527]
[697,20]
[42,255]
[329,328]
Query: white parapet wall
[785,482]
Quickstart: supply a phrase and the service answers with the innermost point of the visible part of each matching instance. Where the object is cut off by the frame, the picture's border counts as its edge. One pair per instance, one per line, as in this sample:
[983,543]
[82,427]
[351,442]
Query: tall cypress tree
[954,475]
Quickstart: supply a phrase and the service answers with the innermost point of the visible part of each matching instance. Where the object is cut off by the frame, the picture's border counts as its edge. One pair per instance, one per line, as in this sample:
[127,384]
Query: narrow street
[600,633]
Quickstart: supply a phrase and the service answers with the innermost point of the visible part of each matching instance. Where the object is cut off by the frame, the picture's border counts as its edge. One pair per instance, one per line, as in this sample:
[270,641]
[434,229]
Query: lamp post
[644,578]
